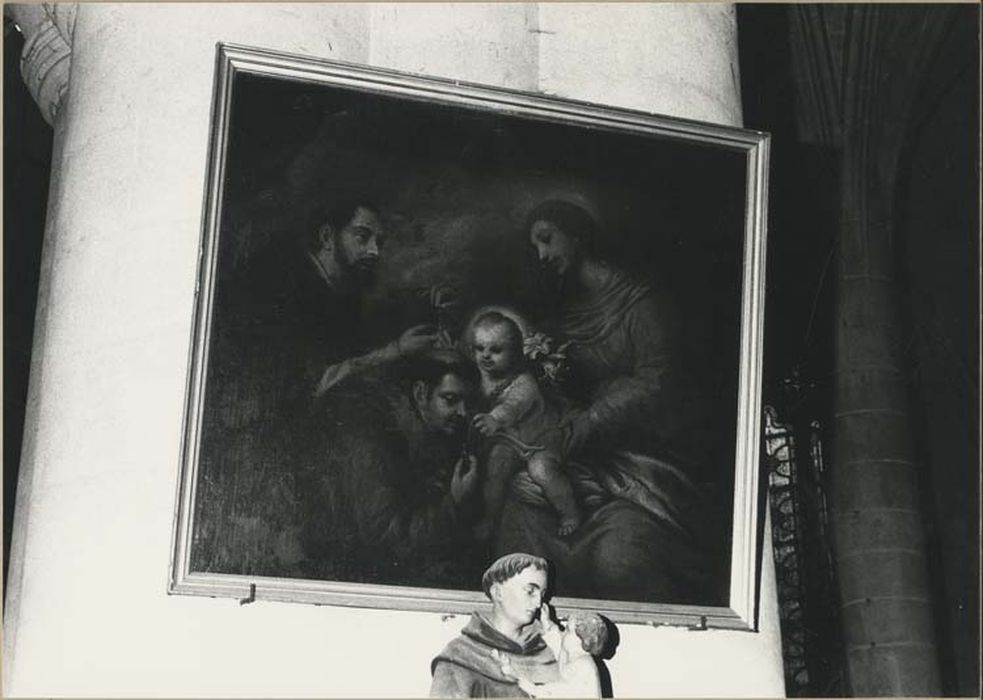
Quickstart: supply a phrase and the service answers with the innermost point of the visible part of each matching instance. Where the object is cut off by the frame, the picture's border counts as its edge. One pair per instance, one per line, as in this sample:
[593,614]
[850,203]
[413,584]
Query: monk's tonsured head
[516,585]
[509,566]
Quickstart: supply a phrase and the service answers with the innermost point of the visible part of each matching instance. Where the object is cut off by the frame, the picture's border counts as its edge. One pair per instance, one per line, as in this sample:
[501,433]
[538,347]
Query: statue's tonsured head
[504,568]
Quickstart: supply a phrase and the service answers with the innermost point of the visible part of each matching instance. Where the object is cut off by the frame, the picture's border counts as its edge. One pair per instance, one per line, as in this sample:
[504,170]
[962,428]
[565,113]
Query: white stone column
[39,31]
[99,468]
[87,611]
[493,44]
[678,59]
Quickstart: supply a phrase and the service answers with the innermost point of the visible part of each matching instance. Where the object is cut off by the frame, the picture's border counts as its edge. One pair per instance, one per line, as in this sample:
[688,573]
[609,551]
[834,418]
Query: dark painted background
[455,186]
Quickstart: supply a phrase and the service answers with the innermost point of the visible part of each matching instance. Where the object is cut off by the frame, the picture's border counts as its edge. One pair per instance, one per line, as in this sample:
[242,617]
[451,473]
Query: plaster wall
[87,610]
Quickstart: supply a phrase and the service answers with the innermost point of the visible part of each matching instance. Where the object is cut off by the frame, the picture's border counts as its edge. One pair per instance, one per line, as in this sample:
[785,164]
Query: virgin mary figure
[631,421]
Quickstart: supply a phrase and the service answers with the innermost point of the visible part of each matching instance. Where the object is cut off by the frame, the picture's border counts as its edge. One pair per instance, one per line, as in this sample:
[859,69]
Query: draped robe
[641,538]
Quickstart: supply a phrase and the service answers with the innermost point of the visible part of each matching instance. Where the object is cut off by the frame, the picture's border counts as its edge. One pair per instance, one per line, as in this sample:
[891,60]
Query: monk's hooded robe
[467,669]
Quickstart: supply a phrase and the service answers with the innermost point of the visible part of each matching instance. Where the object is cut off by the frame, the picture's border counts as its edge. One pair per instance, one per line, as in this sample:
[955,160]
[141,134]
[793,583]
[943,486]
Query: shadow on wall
[26,152]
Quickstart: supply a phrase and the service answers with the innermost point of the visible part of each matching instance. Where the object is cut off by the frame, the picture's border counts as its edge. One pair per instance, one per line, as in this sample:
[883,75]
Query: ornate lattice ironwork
[803,560]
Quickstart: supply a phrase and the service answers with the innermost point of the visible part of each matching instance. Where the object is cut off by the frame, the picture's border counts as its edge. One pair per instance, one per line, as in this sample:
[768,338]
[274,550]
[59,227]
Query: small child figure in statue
[574,648]
[517,409]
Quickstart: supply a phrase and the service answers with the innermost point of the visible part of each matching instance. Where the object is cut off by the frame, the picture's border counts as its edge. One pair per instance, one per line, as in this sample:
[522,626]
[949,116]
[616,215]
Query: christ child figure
[574,648]
[517,410]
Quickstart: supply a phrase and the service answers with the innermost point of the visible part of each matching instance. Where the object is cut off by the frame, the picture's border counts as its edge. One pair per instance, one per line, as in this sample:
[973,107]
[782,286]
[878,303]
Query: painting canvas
[439,322]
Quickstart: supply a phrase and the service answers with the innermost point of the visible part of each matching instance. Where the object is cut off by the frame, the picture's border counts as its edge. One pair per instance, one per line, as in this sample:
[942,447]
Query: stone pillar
[847,55]
[46,60]
[877,520]
[489,43]
[87,611]
[592,52]
[114,310]
[677,59]
[45,65]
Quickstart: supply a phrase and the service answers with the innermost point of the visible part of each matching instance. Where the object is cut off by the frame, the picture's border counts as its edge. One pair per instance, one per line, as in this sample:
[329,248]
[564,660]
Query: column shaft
[877,520]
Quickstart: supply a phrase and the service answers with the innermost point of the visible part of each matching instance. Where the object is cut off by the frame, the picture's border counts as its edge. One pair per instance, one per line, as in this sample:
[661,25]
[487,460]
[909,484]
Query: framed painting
[438,322]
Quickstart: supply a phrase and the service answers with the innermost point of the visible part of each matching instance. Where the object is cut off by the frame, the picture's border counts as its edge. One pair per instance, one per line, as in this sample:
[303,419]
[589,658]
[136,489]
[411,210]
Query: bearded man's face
[359,244]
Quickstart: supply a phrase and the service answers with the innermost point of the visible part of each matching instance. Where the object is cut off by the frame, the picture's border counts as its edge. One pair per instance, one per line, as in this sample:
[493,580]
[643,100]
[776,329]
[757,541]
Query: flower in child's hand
[536,345]
[550,361]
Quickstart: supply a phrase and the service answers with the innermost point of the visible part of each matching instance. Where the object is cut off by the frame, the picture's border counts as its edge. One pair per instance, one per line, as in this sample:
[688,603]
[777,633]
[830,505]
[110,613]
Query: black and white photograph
[432,334]
[491,349]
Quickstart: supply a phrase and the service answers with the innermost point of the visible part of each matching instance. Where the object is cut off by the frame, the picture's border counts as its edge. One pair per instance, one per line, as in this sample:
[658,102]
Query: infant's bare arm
[516,401]
[551,631]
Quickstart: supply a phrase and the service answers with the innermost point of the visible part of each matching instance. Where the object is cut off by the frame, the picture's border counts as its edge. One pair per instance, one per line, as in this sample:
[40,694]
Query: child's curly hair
[591,629]
[497,318]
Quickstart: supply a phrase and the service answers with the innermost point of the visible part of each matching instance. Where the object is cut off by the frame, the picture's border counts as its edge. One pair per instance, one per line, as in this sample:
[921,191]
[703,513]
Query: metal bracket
[251,598]
[700,626]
